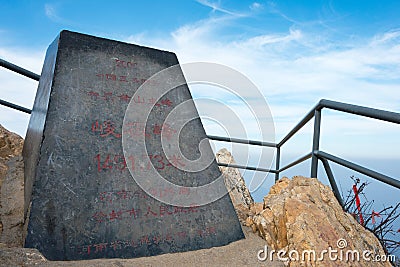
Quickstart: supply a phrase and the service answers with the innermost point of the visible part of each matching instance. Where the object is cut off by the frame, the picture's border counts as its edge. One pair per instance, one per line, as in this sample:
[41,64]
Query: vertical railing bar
[277,163]
[315,147]
[332,181]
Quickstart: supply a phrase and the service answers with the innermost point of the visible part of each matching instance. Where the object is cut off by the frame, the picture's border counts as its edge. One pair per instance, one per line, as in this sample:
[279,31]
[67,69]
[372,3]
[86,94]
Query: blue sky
[296,52]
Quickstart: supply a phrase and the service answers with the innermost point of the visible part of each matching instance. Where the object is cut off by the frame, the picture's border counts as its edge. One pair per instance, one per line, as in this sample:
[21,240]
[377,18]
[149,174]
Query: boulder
[303,215]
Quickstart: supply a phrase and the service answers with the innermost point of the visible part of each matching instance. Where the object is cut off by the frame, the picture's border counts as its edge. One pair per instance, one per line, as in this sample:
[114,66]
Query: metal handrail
[373,113]
[24,72]
[298,126]
[378,176]
[14,106]
[242,141]
[245,167]
[294,163]
[19,70]
[298,161]
[315,154]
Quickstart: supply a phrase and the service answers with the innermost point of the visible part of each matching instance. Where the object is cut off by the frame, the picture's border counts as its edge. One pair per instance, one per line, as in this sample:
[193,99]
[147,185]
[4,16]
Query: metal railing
[23,72]
[315,154]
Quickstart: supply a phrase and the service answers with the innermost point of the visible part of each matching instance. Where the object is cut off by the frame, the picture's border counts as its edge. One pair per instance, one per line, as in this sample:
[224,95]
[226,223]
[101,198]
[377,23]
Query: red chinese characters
[148,212]
[118,162]
[128,79]
[207,231]
[124,195]
[138,129]
[112,162]
[110,96]
[105,129]
[135,129]
[119,63]
[144,240]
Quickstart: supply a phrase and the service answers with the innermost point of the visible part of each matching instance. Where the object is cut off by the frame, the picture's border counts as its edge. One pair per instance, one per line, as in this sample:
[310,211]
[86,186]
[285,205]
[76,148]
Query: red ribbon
[358,204]
[374,213]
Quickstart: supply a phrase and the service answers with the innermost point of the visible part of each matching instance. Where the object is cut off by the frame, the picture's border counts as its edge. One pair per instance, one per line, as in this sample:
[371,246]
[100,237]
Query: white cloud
[256,6]
[295,70]
[263,40]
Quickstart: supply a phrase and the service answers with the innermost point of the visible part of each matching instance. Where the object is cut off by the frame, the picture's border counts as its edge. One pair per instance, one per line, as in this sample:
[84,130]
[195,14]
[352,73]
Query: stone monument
[81,195]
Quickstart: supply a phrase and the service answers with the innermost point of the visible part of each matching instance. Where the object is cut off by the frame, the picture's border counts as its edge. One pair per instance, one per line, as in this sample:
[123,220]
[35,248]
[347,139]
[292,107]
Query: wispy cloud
[218,7]
[273,8]
[262,40]
[256,6]
[386,37]
[51,12]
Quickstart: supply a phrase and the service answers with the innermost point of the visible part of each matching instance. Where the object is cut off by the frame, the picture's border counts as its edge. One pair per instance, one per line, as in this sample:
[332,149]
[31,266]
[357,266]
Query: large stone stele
[99,171]
[303,214]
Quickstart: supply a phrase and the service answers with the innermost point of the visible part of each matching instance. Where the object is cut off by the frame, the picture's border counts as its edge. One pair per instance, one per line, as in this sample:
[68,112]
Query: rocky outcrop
[302,215]
[11,189]
[234,181]
[238,191]
[10,145]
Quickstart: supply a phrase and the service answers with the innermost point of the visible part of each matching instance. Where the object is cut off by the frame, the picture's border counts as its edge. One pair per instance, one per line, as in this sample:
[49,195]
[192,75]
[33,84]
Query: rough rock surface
[303,214]
[234,181]
[11,189]
[10,144]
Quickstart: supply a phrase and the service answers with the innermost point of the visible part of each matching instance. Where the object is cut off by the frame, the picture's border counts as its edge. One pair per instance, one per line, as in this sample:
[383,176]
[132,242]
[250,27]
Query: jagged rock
[256,208]
[11,189]
[234,181]
[303,214]
[11,144]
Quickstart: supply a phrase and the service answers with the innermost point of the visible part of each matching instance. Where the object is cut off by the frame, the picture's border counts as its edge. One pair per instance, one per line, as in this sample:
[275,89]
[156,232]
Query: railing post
[332,181]
[277,162]
[315,147]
